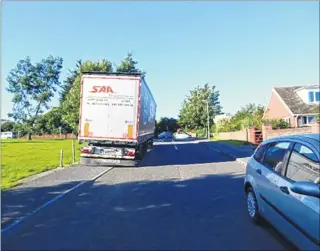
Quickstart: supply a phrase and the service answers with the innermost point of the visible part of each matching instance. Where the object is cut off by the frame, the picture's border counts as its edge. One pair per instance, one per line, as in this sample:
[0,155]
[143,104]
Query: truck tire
[144,149]
[149,145]
[139,152]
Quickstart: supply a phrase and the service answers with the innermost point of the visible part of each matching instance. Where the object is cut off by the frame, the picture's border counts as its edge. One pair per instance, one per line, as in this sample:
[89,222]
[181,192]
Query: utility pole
[208,119]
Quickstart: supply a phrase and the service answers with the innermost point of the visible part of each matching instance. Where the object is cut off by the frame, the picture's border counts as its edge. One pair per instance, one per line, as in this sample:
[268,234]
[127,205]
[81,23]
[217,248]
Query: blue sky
[243,48]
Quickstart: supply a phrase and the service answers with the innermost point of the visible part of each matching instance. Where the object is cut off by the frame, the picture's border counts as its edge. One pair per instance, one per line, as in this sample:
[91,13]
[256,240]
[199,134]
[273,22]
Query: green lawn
[23,158]
[231,142]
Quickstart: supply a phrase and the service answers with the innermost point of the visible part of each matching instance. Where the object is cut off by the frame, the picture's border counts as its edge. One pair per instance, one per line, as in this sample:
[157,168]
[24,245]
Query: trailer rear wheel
[149,145]
[142,149]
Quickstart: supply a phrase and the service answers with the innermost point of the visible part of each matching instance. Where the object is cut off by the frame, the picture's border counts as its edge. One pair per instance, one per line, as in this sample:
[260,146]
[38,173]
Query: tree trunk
[29,136]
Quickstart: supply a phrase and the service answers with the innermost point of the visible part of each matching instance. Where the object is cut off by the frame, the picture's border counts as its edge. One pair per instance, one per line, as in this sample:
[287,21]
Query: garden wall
[238,135]
[53,136]
[268,132]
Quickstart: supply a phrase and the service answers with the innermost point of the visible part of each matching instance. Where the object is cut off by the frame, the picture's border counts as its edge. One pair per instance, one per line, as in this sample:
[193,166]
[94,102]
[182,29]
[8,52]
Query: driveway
[181,196]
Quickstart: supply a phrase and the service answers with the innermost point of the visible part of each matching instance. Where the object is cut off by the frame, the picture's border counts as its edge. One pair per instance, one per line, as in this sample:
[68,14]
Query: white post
[73,152]
[208,120]
[61,158]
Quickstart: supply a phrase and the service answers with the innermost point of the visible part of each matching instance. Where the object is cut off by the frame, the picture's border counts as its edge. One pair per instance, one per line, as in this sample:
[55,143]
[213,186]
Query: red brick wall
[268,132]
[277,110]
[53,136]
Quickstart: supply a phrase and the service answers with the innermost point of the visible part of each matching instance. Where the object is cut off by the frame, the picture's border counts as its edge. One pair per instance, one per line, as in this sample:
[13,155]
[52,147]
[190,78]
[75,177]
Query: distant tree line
[33,86]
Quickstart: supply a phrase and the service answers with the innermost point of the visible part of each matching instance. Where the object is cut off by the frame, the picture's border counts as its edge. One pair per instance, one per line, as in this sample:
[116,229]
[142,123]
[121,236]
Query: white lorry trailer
[117,118]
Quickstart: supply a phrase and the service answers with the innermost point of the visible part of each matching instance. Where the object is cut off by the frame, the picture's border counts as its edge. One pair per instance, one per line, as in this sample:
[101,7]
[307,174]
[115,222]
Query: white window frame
[315,100]
[302,123]
[314,97]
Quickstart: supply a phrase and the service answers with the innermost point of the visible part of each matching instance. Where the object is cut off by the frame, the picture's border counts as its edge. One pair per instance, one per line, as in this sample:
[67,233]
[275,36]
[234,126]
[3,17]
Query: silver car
[282,185]
[182,135]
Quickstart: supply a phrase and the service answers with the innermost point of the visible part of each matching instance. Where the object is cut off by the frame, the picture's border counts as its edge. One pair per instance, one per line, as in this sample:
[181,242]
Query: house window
[311,97]
[287,120]
[307,120]
[314,96]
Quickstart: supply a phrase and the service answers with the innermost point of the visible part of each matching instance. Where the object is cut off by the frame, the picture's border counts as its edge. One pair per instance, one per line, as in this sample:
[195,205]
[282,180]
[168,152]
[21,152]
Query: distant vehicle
[117,118]
[182,135]
[7,135]
[165,135]
[282,185]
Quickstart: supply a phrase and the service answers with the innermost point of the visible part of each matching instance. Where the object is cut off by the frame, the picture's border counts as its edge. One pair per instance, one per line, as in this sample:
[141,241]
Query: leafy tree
[71,103]
[51,123]
[317,111]
[7,126]
[128,65]
[40,126]
[225,125]
[166,124]
[249,115]
[21,129]
[193,114]
[68,83]
[33,86]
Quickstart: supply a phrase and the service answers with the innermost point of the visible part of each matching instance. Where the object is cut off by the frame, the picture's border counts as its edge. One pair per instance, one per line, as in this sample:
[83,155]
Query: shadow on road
[205,212]
[182,153]
[16,202]
[235,151]
[176,140]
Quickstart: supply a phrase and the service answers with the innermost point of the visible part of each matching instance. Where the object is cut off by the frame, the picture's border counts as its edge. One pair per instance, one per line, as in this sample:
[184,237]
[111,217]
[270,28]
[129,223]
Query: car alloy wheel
[252,205]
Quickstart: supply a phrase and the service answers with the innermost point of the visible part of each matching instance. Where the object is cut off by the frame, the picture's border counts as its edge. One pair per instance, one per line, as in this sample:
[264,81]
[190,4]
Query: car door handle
[284,190]
[259,171]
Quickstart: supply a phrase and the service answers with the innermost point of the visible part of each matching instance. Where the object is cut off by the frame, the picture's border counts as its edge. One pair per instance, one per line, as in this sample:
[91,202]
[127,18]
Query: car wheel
[252,205]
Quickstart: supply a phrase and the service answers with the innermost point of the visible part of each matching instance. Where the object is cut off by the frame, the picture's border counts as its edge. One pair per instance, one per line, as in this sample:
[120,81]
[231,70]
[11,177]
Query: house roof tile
[293,101]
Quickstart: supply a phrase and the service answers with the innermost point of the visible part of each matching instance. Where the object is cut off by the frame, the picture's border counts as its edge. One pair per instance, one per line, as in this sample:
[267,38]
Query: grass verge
[232,142]
[23,158]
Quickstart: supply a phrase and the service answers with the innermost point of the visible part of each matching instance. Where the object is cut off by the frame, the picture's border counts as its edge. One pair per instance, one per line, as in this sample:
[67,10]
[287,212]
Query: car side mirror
[306,188]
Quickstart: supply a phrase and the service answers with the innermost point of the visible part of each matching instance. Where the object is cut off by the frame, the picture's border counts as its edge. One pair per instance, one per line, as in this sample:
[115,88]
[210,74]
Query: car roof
[312,138]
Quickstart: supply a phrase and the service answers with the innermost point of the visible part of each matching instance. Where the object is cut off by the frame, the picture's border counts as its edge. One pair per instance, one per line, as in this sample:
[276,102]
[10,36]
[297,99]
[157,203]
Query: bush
[201,133]
[278,123]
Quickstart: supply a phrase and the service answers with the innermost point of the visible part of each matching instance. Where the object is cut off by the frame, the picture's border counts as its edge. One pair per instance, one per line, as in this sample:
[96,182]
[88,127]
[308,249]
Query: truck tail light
[130,152]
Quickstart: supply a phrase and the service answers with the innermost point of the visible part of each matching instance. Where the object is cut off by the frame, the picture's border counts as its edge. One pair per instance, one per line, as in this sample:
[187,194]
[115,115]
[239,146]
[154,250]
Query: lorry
[117,118]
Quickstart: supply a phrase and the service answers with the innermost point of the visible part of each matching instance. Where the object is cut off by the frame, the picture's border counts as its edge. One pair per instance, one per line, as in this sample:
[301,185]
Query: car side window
[303,164]
[258,155]
[275,154]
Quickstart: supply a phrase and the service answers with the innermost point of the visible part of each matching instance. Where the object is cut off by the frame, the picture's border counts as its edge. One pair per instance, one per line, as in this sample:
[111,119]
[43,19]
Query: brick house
[296,104]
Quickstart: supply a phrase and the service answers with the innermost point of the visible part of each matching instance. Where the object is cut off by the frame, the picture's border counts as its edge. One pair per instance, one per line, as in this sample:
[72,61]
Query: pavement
[183,195]
[240,153]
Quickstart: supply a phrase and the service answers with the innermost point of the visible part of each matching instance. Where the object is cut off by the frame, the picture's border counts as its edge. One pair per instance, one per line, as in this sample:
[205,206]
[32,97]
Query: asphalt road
[181,196]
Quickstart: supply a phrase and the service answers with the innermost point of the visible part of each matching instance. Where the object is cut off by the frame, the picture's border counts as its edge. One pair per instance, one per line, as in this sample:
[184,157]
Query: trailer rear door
[108,109]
